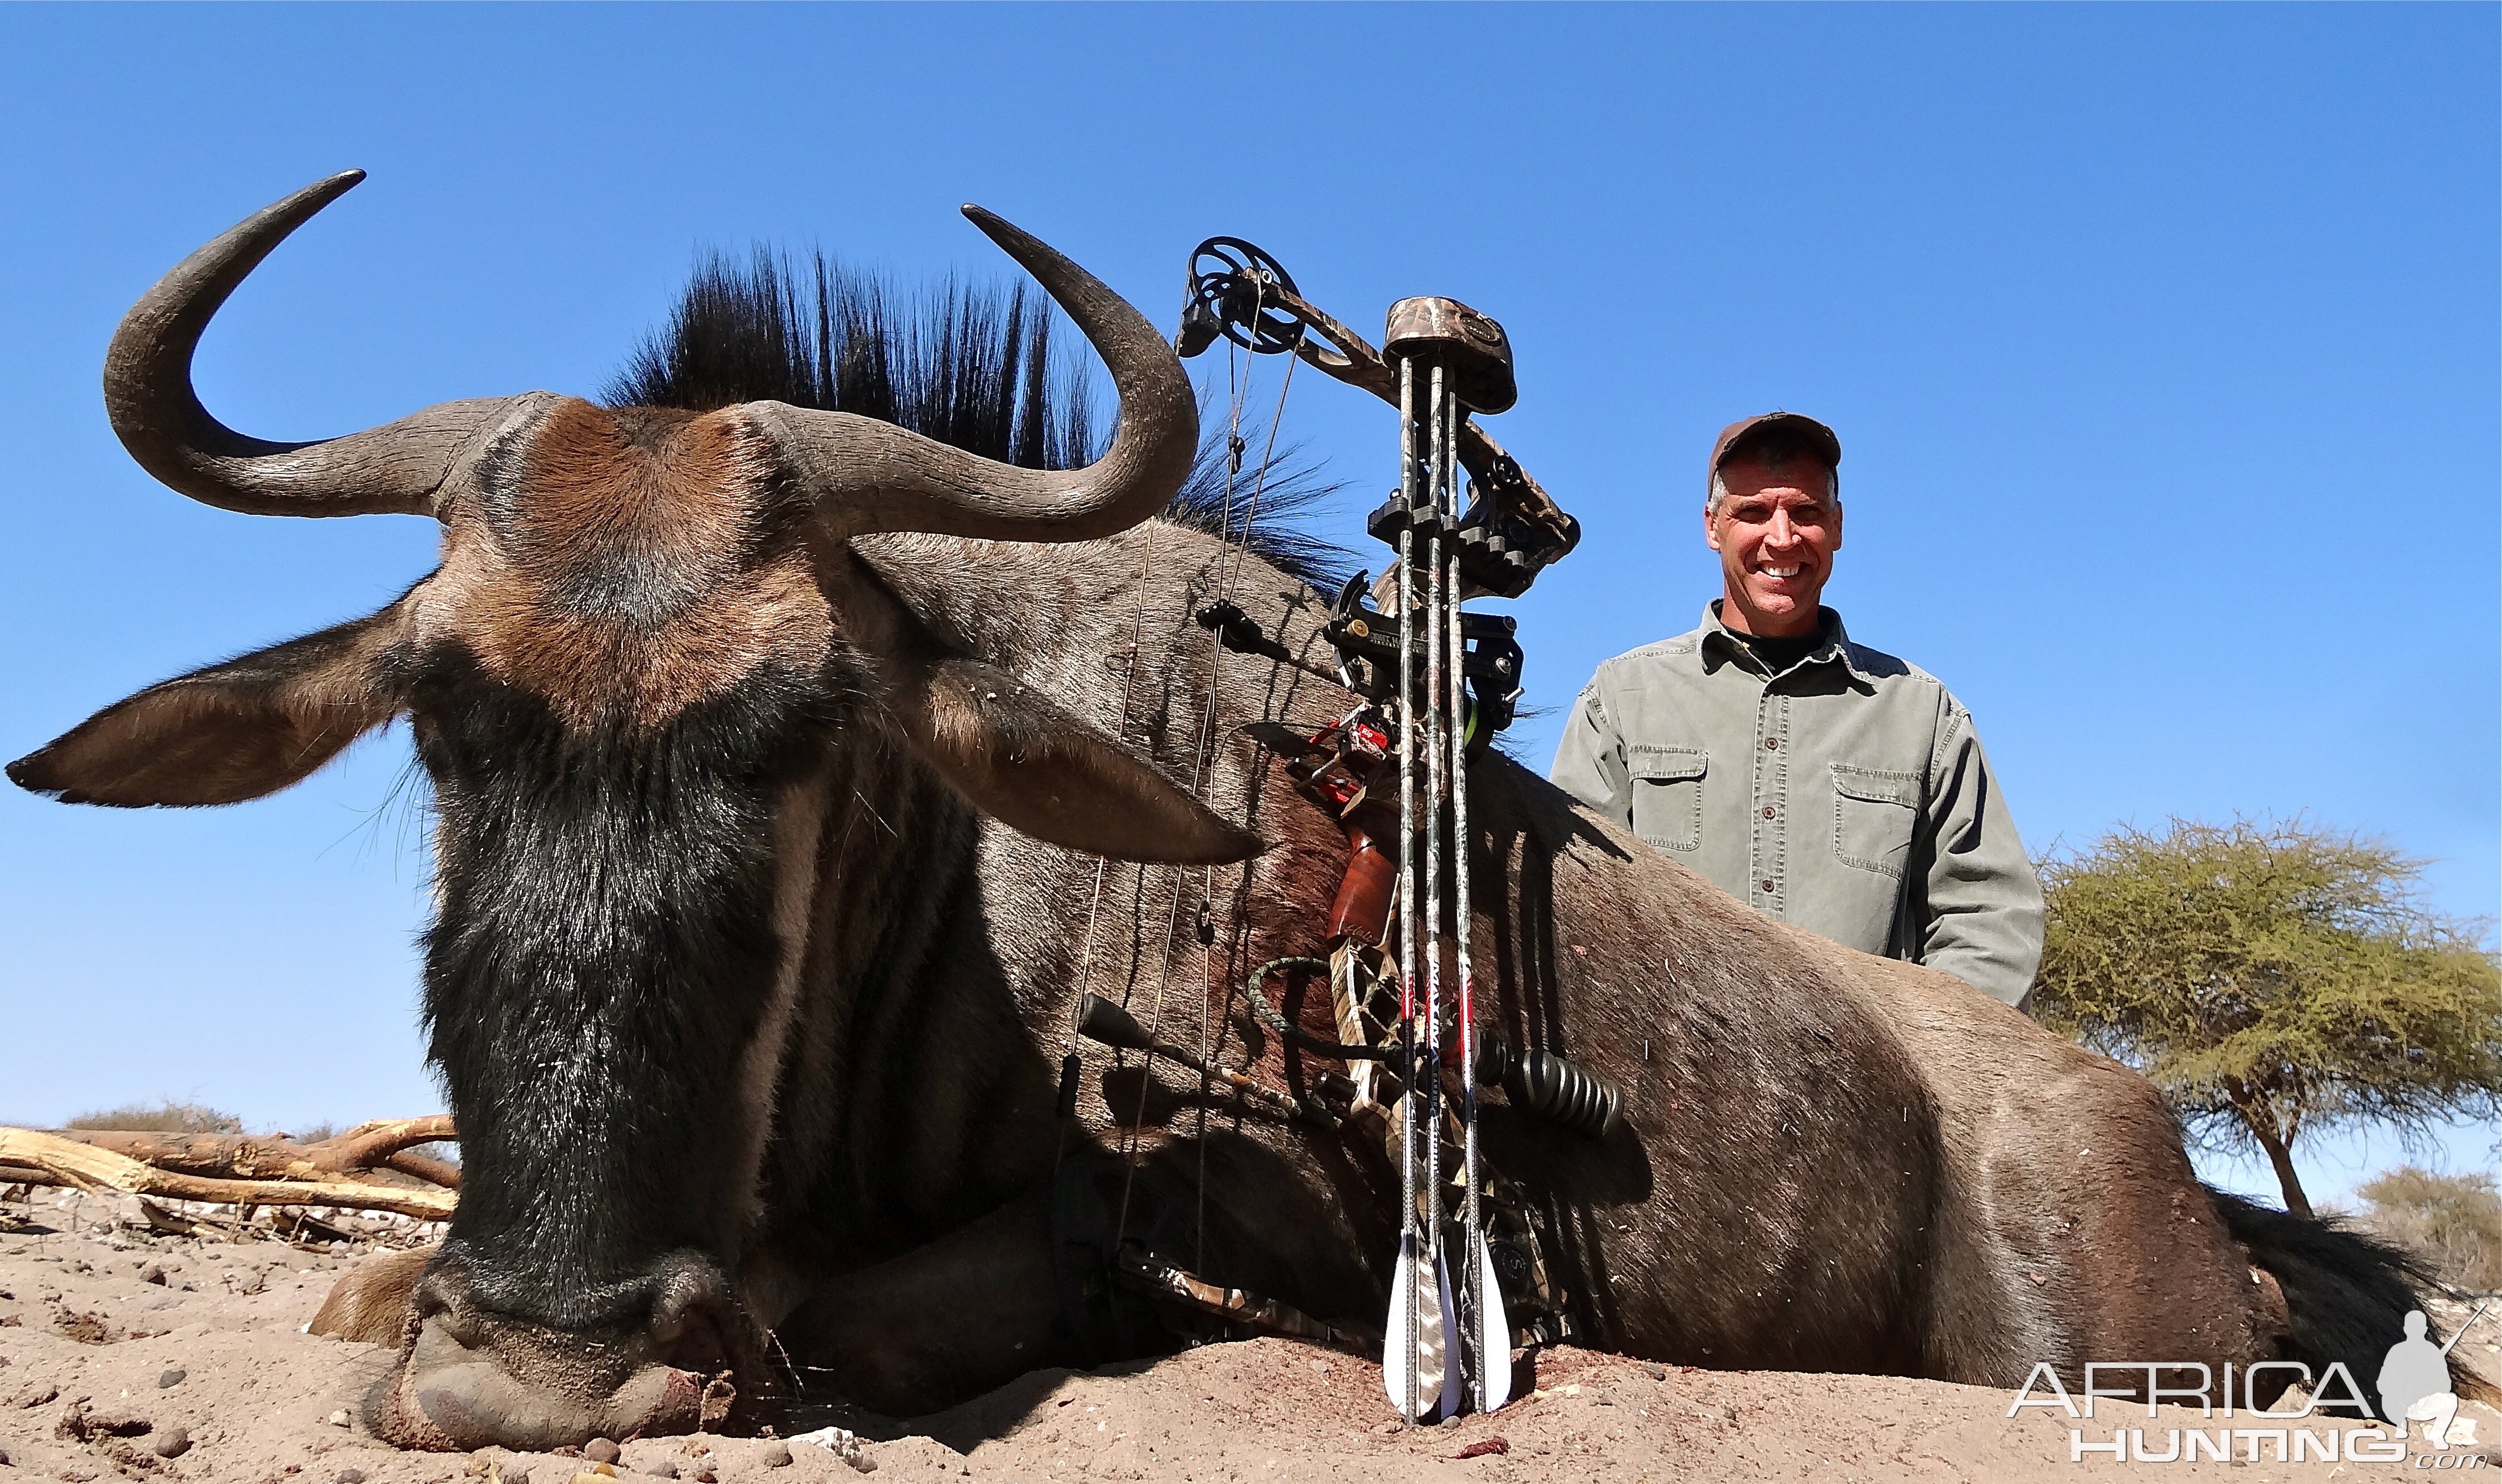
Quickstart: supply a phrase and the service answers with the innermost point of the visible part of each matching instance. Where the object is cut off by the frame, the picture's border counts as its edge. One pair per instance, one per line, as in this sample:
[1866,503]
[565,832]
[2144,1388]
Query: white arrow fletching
[1394,1332]
[1494,1332]
[1451,1370]
[1416,1277]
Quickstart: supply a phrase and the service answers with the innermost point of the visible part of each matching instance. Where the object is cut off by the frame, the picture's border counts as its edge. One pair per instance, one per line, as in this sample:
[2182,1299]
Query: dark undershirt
[1778,655]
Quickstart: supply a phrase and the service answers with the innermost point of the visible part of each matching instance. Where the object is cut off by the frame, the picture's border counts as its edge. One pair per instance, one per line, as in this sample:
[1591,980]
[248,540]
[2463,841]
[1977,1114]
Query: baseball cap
[1818,439]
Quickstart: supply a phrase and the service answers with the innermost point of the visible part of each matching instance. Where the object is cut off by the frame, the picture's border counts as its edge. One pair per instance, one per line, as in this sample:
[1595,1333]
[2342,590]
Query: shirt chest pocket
[1668,796]
[1873,812]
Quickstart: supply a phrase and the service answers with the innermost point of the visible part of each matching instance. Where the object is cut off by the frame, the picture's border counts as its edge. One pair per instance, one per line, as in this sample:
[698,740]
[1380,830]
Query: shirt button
[1768,885]
[1772,742]
[1768,811]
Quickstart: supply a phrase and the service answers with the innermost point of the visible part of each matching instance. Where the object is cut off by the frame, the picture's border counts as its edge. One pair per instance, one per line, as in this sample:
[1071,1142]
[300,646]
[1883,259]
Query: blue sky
[2162,341]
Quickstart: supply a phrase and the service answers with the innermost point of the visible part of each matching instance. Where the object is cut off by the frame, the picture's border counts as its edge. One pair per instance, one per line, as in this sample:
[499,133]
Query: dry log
[243,1157]
[87,1166]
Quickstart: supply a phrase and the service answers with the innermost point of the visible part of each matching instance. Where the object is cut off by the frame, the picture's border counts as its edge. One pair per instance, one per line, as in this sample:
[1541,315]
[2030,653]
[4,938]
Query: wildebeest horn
[870,476]
[398,468]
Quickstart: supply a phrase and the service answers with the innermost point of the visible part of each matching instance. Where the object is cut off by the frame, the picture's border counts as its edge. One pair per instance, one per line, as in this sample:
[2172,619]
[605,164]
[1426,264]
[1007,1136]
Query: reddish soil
[87,1344]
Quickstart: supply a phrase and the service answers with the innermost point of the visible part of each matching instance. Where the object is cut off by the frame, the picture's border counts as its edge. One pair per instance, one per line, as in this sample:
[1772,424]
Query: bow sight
[1437,684]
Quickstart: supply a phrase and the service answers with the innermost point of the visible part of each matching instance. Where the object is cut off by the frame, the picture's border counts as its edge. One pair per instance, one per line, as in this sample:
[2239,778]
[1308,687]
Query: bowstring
[1094,902]
[1240,549]
[1236,387]
[1233,549]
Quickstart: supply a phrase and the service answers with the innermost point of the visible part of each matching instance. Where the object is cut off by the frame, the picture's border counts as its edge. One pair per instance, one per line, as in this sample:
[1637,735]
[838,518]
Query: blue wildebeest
[773,751]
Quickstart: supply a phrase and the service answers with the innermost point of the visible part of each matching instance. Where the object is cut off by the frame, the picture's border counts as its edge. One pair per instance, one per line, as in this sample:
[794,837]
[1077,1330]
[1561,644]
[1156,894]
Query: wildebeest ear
[233,731]
[1036,768]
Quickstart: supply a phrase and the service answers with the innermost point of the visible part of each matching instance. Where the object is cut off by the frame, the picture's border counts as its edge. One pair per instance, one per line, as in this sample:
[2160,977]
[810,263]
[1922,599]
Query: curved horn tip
[331,187]
[998,228]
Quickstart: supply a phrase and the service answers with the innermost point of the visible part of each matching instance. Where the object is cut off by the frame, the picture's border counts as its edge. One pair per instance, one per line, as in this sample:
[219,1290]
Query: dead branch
[425,1168]
[378,1143]
[89,1166]
[243,1157]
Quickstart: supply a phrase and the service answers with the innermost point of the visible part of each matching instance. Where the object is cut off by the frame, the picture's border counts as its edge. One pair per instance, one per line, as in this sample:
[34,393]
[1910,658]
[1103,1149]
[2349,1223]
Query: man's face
[1775,530]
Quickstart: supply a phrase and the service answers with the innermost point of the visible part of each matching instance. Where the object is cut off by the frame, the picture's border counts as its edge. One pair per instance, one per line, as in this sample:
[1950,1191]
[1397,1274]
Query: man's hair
[1772,448]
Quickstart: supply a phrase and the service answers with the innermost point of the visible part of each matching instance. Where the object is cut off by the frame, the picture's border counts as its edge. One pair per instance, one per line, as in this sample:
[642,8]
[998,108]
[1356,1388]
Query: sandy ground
[103,1369]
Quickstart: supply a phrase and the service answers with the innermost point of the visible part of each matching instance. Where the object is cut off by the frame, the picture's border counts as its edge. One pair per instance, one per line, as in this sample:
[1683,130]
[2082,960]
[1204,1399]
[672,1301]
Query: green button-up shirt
[1846,793]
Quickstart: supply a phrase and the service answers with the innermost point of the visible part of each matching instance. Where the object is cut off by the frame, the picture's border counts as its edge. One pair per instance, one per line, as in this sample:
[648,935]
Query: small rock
[339,1418]
[351,1476]
[600,1450]
[706,1476]
[1319,1367]
[170,1379]
[663,1469]
[506,1474]
[1655,1372]
[79,1425]
[776,1455]
[155,1274]
[174,1443]
[1448,1422]
[1390,1429]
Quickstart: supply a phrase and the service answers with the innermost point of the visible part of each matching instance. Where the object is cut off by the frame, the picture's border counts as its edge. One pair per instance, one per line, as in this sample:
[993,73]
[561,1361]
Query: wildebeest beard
[603,960]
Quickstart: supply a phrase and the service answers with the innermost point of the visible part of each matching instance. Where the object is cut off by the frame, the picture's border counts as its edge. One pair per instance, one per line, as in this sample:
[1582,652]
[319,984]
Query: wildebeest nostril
[688,1291]
[689,1322]
[441,1310]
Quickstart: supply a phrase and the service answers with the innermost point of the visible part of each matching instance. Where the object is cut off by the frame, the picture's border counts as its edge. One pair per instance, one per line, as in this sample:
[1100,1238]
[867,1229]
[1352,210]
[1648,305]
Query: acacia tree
[2273,981]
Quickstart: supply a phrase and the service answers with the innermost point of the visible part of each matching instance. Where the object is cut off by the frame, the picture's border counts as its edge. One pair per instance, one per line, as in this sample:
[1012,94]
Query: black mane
[974,367]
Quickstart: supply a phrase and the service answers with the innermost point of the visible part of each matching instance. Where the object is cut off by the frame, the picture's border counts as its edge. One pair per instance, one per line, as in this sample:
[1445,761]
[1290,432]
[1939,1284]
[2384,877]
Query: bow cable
[1233,548]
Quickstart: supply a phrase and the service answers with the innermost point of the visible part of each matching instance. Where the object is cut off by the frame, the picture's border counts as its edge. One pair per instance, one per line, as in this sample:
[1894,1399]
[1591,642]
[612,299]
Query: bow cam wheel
[1232,285]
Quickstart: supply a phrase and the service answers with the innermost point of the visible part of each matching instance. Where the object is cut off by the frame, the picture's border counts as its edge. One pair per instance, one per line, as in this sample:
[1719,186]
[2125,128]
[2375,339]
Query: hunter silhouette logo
[2415,1380]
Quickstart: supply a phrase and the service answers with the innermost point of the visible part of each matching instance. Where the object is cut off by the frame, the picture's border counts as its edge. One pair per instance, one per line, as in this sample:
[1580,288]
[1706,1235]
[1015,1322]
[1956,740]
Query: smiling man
[1817,780]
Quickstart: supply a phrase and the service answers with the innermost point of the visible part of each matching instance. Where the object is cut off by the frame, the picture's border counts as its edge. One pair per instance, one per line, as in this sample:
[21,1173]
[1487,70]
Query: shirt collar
[1721,646]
